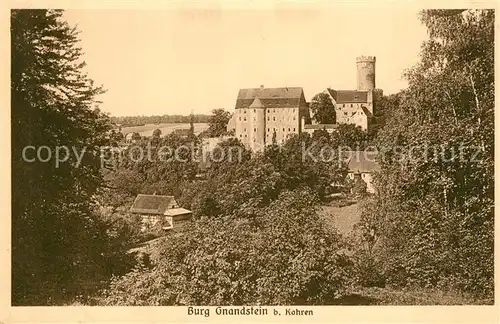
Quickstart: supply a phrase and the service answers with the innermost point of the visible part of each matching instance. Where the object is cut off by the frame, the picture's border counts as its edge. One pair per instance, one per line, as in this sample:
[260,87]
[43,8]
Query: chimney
[262,86]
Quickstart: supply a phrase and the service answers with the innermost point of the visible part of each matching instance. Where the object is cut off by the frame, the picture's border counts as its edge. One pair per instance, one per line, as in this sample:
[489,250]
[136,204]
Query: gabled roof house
[157,209]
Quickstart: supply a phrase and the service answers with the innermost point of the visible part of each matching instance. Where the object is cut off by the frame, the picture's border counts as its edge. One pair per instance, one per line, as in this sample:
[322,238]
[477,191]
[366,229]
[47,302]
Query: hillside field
[166,128]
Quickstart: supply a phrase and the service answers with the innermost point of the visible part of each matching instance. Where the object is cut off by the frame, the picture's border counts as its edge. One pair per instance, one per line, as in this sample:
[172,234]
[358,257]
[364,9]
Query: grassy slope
[147,130]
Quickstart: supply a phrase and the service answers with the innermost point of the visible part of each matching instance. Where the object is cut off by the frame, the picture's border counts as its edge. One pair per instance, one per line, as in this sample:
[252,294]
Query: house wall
[312,130]
[367,178]
[283,121]
[352,113]
[149,221]
[178,218]
[255,127]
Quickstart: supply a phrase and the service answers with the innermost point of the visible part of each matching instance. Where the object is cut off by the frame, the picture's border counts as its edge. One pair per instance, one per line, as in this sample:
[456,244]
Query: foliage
[382,109]
[157,133]
[284,256]
[254,219]
[59,243]
[123,186]
[359,186]
[217,123]
[159,166]
[368,260]
[191,123]
[322,109]
[128,121]
[350,137]
[254,182]
[413,296]
[439,231]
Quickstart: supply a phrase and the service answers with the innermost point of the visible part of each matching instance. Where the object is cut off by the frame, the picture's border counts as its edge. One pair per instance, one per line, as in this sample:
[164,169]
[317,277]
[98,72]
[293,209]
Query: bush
[369,270]
[283,256]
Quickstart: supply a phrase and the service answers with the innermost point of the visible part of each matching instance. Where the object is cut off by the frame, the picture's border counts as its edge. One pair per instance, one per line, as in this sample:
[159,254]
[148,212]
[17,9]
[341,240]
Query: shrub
[283,256]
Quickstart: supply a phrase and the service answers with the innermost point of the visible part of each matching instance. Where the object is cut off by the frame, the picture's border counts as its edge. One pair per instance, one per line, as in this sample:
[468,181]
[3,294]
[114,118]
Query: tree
[383,107]
[443,192]
[57,239]
[359,186]
[286,256]
[136,136]
[157,133]
[217,123]
[244,182]
[191,123]
[350,137]
[123,185]
[127,121]
[323,109]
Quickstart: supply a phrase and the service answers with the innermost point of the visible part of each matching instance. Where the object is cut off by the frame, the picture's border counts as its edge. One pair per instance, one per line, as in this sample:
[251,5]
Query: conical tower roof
[257,103]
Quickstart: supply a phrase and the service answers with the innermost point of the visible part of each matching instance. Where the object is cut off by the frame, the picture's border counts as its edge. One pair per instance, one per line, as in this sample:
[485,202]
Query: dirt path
[341,218]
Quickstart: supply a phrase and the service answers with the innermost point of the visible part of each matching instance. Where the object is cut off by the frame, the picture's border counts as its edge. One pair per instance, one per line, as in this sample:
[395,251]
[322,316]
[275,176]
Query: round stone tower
[366,72]
[257,129]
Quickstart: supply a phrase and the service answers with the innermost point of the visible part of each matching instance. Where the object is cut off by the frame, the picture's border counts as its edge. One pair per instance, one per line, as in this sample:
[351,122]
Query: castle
[356,106]
[266,115]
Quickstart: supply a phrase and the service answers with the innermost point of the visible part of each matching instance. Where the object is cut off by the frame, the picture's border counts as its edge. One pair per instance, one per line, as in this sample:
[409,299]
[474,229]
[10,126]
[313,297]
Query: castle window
[351,105]
[244,111]
[294,129]
[268,111]
[244,119]
[244,129]
[274,118]
[345,113]
[274,110]
[254,111]
[268,129]
[293,110]
[289,129]
[240,135]
[245,135]
[267,118]
[293,117]
[283,129]
[255,129]
[240,118]
[254,139]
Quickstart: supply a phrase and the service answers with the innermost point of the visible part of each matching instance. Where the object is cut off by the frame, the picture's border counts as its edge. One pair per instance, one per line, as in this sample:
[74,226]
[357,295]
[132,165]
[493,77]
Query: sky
[155,62]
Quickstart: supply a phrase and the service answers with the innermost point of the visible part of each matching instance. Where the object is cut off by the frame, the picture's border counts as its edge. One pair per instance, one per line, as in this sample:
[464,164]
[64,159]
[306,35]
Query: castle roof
[349,96]
[287,97]
[257,103]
